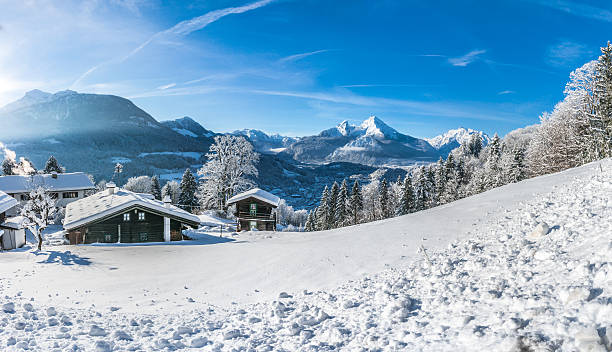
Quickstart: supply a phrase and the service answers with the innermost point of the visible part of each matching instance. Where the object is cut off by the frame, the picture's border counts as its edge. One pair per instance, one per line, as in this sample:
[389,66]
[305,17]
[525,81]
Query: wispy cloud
[182,28]
[566,52]
[297,57]
[466,59]
[388,85]
[504,92]
[166,86]
[578,9]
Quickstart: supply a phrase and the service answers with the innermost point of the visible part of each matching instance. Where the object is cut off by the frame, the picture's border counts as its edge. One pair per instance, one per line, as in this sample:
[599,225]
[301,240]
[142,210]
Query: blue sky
[296,67]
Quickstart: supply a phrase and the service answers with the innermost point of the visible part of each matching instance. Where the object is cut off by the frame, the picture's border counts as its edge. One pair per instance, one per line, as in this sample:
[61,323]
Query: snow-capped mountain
[266,143]
[452,139]
[373,142]
[92,132]
[188,127]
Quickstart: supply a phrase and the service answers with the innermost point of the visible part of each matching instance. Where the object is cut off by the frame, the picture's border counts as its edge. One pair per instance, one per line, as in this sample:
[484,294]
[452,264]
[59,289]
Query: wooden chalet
[255,210]
[120,216]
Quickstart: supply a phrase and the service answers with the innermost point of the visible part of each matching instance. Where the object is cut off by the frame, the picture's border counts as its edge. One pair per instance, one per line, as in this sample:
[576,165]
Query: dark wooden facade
[252,212]
[116,228]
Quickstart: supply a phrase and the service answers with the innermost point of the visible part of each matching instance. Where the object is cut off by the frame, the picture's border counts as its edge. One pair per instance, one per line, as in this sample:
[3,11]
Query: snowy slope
[452,139]
[486,282]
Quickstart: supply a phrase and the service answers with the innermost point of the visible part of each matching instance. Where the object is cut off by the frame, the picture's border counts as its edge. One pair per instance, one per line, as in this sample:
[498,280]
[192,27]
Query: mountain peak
[373,126]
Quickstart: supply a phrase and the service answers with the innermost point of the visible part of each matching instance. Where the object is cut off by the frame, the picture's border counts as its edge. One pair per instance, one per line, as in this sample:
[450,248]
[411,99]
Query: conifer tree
[53,166]
[384,199]
[333,200]
[421,190]
[323,211]
[341,201]
[310,222]
[440,180]
[517,170]
[601,120]
[155,188]
[355,203]
[407,200]
[475,144]
[8,167]
[430,186]
[492,169]
[189,186]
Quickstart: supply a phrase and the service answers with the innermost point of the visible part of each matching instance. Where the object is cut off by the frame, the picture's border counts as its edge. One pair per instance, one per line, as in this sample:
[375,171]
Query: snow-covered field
[487,280]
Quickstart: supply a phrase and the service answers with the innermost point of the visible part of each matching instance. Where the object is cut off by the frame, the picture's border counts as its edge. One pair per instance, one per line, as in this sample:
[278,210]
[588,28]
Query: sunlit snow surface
[487,281]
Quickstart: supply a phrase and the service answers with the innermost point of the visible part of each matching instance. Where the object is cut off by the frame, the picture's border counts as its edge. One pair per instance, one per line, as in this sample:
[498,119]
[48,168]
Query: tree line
[576,132]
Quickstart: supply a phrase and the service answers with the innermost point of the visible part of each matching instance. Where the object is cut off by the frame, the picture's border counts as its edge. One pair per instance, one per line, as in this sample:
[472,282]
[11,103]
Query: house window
[53,195]
[141,216]
[25,197]
[70,195]
[126,217]
[253,209]
[253,225]
[143,236]
[108,238]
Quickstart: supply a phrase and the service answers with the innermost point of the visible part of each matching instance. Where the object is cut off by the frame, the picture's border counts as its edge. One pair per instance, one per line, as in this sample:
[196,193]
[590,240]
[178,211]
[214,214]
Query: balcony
[256,216]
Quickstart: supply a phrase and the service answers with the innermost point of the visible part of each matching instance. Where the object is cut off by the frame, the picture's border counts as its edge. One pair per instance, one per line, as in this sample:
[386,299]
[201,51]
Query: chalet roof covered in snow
[103,204]
[257,193]
[6,202]
[73,181]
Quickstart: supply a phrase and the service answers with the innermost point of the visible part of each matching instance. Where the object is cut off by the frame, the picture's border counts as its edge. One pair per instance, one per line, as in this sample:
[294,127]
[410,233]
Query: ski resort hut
[120,216]
[12,231]
[255,210]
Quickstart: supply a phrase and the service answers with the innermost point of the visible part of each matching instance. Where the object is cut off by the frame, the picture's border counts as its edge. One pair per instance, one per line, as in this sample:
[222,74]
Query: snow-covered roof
[73,181]
[16,222]
[103,204]
[6,202]
[257,193]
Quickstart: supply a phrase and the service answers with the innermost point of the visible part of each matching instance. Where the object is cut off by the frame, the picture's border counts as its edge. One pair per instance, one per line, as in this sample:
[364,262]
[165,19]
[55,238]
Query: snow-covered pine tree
[407,205]
[340,212]
[355,203]
[39,208]
[451,185]
[395,196]
[172,189]
[385,212]
[310,222]
[432,200]
[53,165]
[475,144]
[187,199]
[323,211]
[440,180]
[8,167]
[516,171]
[333,200]
[421,189]
[492,169]
[601,121]
[155,188]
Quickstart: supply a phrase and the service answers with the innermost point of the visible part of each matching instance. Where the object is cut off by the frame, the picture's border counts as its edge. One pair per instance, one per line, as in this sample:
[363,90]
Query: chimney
[110,188]
[167,201]
[54,174]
